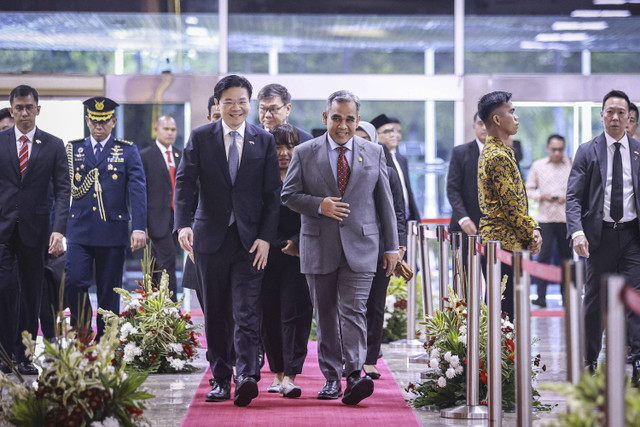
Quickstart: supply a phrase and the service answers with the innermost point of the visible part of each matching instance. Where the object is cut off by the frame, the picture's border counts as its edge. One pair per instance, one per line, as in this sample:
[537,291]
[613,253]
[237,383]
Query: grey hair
[343,96]
[274,89]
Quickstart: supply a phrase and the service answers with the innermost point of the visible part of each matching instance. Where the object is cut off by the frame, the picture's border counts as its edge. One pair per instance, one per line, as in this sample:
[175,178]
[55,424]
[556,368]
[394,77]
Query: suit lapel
[35,150]
[248,145]
[324,166]
[106,151]
[162,165]
[601,155]
[88,153]
[219,152]
[359,152]
[13,150]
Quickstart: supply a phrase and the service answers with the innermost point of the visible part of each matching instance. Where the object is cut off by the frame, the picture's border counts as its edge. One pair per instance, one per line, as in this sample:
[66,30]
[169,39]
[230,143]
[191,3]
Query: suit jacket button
[119,216]
[341,225]
[94,208]
[73,215]
[94,195]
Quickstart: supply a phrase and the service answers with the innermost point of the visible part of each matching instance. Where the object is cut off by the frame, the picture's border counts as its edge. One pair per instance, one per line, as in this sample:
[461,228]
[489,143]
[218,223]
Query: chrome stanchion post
[614,313]
[427,293]
[522,285]
[457,269]
[412,242]
[472,410]
[572,320]
[443,265]
[494,332]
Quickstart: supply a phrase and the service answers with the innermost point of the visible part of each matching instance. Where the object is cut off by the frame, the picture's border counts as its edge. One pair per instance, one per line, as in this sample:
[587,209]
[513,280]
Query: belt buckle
[615,225]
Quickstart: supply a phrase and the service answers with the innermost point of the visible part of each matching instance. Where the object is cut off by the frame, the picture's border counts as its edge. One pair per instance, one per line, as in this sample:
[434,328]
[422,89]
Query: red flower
[483,403]
[401,304]
[186,316]
[509,344]
[134,410]
[512,358]
[188,350]
[483,376]
[138,291]
[465,361]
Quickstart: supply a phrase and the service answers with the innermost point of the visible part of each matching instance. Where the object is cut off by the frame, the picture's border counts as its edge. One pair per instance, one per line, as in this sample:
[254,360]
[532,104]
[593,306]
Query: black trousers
[375,314]
[164,251]
[108,262]
[618,252]
[553,233]
[19,299]
[229,273]
[286,313]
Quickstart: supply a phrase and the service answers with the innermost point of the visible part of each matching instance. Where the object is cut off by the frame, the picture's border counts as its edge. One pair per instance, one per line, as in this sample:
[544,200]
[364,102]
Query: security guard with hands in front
[107,191]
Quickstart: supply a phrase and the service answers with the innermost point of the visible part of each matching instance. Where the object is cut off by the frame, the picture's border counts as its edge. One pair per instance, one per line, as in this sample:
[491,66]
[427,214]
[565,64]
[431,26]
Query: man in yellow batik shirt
[501,194]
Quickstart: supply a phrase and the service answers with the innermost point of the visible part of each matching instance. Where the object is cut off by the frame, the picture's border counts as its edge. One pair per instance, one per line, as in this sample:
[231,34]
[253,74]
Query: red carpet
[548,313]
[386,407]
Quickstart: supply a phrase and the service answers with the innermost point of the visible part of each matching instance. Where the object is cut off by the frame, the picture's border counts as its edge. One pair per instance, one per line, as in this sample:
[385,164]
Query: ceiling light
[589,13]
[562,37]
[191,20]
[579,26]
[608,2]
[531,45]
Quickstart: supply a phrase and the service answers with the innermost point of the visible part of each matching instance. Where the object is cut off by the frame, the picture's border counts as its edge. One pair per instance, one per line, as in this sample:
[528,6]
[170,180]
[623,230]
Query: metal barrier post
[472,410]
[457,268]
[412,243]
[494,342]
[522,285]
[614,312]
[443,265]
[427,293]
[573,318]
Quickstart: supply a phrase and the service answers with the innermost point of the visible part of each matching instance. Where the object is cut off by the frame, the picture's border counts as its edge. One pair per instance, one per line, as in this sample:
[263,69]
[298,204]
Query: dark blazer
[585,189]
[414,212]
[462,184]
[254,197]
[159,191]
[398,204]
[25,199]
[123,191]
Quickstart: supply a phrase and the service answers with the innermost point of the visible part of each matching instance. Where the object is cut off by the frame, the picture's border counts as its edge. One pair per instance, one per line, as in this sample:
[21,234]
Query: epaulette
[122,141]
[77,140]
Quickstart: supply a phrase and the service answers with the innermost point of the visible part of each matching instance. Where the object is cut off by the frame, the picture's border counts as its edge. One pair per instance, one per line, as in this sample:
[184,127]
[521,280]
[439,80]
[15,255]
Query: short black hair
[274,89]
[210,104]
[23,90]
[490,102]
[4,113]
[394,120]
[616,94]
[230,81]
[557,136]
[633,107]
[285,135]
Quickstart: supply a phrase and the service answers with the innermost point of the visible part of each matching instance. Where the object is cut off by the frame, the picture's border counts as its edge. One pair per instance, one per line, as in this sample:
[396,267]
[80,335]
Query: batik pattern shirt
[502,198]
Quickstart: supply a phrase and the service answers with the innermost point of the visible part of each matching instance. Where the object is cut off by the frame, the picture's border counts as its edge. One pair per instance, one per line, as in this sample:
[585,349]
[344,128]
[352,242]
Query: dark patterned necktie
[343,170]
[23,156]
[615,209]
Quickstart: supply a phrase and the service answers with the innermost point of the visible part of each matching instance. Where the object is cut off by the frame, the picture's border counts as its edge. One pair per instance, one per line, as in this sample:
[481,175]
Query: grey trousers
[340,302]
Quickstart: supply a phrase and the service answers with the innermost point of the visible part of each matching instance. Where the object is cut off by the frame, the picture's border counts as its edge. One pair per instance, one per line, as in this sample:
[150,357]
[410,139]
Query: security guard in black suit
[108,191]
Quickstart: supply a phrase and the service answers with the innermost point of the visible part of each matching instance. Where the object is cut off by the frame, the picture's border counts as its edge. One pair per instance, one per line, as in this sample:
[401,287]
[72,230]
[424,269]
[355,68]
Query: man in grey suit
[338,183]
[602,219]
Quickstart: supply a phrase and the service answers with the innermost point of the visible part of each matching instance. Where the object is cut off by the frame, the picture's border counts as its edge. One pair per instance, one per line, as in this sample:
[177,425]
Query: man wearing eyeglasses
[274,107]
[547,184]
[108,192]
[602,219]
[234,224]
[390,134]
[31,162]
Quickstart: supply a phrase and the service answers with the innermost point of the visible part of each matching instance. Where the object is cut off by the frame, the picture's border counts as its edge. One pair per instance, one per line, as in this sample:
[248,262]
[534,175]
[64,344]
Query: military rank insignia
[78,177]
[116,155]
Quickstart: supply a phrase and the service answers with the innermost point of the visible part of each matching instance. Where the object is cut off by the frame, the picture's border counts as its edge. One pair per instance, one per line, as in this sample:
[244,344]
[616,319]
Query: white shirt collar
[240,130]
[334,145]
[29,134]
[163,148]
[102,143]
[624,141]
[480,144]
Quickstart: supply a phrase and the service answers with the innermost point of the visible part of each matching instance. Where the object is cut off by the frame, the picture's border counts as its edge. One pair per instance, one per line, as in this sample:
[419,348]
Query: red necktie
[23,157]
[343,170]
[172,174]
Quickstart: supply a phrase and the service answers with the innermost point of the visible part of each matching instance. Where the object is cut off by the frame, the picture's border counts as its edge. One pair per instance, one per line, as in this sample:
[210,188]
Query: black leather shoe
[27,368]
[591,366]
[220,391]
[540,302]
[246,390]
[358,388]
[371,371]
[4,368]
[331,390]
[635,373]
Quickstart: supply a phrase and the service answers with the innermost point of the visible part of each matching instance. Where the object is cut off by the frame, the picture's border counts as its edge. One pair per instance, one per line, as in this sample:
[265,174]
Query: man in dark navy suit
[108,191]
[602,219]
[235,222]
[390,134]
[160,162]
[274,107]
[30,161]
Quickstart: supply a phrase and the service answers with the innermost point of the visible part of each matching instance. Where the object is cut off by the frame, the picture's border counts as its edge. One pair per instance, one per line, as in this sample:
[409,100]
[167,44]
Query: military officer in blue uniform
[108,191]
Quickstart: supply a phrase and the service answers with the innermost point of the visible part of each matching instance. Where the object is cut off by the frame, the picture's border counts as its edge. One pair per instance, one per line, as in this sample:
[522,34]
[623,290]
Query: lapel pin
[80,150]
[37,141]
[359,159]
[176,154]
[251,142]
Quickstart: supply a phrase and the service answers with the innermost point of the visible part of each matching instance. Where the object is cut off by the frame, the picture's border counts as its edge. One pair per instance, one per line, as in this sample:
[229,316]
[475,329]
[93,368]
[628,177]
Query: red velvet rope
[552,273]
[504,256]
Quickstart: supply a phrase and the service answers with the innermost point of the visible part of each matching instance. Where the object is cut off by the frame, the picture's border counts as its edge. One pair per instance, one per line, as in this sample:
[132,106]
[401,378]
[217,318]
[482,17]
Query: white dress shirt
[228,138]
[29,136]
[163,150]
[102,143]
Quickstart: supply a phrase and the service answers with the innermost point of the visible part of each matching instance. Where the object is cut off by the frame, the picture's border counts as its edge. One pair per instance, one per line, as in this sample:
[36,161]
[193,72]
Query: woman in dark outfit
[287,309]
